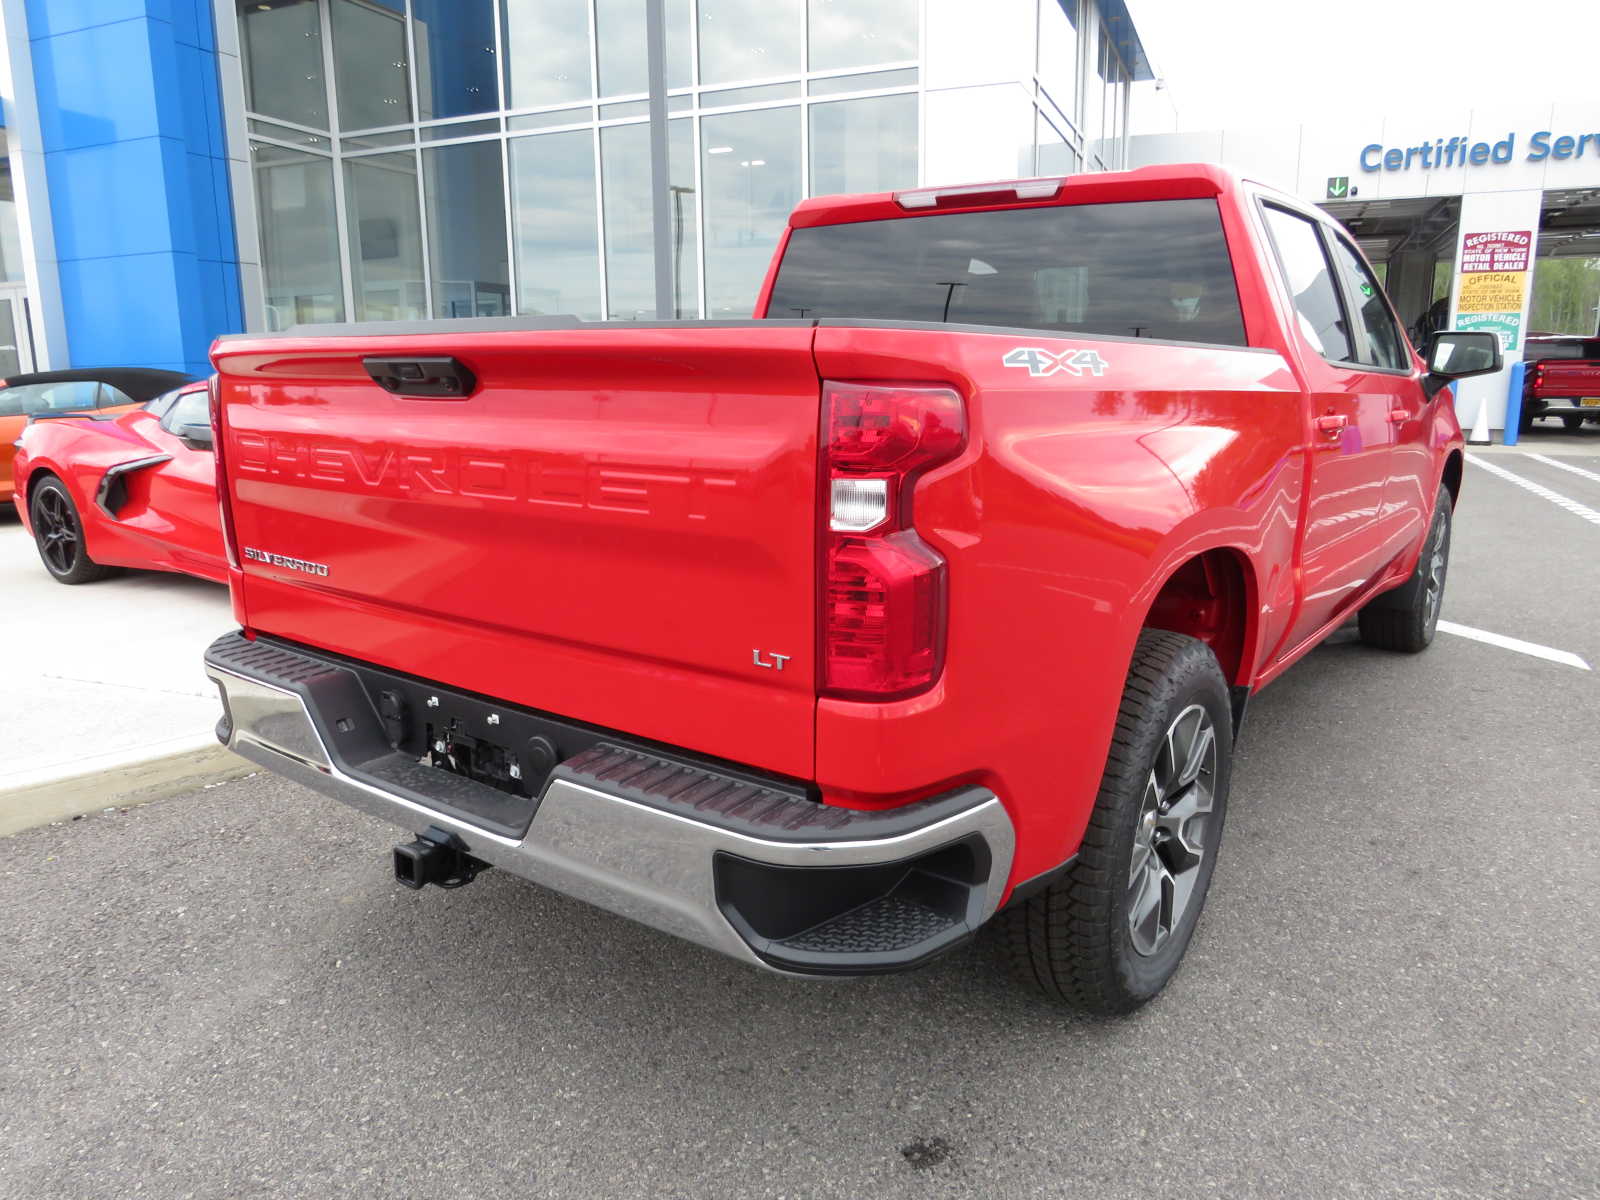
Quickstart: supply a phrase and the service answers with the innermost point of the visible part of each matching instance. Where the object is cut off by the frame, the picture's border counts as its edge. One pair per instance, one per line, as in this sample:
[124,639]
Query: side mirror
[1452,356]
[197,437]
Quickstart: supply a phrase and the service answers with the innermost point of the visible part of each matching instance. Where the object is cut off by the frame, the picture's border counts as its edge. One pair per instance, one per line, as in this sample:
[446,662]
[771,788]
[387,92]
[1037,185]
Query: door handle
[1399,415]
[422,378]
[1332,425]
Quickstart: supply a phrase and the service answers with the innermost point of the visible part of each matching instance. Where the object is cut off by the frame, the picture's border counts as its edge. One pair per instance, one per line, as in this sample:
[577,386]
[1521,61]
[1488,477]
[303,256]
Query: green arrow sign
[1338,187]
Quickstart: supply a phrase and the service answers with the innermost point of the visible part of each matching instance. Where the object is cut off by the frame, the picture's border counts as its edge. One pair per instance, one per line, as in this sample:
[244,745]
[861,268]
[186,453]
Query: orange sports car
[81,390]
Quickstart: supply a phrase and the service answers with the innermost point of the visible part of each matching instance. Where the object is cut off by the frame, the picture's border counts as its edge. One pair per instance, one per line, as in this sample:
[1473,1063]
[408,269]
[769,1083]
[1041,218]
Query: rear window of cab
[1143,269]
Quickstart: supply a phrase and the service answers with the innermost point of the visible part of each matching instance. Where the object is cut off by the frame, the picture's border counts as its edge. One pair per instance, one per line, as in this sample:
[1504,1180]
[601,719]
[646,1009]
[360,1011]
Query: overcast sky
[1243,63]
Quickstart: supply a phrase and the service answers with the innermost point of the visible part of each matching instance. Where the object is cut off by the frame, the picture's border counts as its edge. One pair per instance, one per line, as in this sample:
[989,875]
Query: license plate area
[452,747]
[455,733]
[1589,402]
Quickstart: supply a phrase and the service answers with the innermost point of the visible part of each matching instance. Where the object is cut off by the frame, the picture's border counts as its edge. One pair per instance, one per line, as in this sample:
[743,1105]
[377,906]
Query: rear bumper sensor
[733,860]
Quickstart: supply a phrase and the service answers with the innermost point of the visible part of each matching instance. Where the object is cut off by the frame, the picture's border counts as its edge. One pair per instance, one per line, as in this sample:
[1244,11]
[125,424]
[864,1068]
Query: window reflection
[630,222]
[446,251]
[750,165]
[385,233]
[369,63]
[741,40]
[455,57]
[466,215]
[280,45]
[299,242]
[620,46]
[860,33]
[547,51]
[558,246]
[864,145]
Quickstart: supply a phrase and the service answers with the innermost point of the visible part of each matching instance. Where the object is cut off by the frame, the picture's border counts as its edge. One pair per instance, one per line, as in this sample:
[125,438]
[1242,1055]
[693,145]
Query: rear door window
[1143,269]
[1310,278]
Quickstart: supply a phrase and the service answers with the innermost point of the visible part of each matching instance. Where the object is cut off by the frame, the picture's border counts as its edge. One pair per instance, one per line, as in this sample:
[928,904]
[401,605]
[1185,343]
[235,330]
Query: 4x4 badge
[1042,362]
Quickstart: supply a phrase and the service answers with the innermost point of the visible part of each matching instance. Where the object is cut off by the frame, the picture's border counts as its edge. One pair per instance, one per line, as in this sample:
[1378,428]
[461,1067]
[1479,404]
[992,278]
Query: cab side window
[1310,278]
[1386,345]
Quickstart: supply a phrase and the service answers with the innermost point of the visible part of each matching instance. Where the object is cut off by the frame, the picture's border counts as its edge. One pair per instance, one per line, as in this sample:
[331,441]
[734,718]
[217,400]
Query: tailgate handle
[440,378]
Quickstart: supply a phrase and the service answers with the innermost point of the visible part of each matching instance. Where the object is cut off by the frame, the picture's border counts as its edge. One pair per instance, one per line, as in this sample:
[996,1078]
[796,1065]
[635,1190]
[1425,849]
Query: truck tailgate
[1577,377]
[617,525]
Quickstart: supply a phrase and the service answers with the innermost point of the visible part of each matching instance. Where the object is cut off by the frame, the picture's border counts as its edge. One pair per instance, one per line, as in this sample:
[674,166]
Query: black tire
[1572,421]
[1076,941]
[1405,619]
[1525,420]
[58,533]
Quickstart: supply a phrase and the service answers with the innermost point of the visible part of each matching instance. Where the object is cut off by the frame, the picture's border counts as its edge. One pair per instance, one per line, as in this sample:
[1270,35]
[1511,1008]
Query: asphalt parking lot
[1393,991]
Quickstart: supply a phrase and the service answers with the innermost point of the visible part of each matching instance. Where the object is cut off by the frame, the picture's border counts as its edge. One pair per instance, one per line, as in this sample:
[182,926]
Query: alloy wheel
[57,527]
[1169,842]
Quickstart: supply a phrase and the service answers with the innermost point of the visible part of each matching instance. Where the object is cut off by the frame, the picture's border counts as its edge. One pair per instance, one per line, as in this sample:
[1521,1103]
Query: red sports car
[130,489]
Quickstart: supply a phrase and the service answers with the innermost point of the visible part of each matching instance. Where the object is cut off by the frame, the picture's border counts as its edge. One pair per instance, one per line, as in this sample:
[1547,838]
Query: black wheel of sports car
[58,532]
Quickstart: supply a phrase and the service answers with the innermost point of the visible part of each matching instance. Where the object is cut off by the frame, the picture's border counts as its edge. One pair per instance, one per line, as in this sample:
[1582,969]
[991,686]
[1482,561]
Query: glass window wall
[456,60]
[620,46]
[370,65]
[404,170]
[466,206]
[385,232]
[861,33]
[547,52]
[743,40]
[558,242]
[299,236]
[750,168]
[281,46]
[630,226]
[867,145]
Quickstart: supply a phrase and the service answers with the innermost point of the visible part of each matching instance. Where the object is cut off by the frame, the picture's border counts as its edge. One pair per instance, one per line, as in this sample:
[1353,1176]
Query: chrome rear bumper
[637,853]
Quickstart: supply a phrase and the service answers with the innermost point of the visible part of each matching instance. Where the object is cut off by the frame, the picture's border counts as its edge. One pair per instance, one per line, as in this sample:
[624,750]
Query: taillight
[224,505]
[883,592]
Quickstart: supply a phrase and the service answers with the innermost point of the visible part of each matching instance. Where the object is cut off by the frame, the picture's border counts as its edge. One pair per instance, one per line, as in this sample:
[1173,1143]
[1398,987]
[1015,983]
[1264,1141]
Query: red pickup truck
[931,596]
[1562,380]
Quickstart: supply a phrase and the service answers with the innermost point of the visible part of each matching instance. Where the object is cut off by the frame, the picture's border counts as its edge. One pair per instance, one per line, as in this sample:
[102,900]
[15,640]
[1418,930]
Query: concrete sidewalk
[103,680]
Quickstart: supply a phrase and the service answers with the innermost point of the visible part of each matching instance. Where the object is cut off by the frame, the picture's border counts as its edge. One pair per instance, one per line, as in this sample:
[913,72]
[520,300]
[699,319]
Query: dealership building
[178,169]
[1456,214]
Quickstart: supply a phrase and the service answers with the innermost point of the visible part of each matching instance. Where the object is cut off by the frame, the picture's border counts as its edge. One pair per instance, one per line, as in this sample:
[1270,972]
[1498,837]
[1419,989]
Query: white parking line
[1564,657]
[1556,462]
[1538,489]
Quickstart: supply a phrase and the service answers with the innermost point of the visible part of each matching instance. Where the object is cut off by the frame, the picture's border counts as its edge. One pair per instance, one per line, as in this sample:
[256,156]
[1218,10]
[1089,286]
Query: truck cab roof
[1180,181]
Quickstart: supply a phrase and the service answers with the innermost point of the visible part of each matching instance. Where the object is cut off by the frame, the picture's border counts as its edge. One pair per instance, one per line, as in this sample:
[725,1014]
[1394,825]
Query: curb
[128,781]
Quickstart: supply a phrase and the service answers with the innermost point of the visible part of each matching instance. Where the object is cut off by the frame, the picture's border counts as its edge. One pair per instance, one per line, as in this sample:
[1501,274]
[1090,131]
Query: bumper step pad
[745,863]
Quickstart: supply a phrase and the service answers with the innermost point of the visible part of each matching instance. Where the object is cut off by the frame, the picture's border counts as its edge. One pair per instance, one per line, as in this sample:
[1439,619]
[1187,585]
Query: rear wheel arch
[38,475]
[1212,597]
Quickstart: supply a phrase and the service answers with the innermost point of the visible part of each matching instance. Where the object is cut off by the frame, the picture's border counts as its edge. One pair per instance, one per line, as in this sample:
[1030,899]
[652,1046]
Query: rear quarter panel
[1074,501]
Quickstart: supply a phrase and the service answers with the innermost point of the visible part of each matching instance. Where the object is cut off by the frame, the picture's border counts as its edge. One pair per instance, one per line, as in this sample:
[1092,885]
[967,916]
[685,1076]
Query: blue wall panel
[135,152]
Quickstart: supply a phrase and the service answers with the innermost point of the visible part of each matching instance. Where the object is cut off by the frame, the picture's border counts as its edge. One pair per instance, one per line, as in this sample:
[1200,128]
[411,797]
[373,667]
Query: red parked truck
[930,597]
[1562,380]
